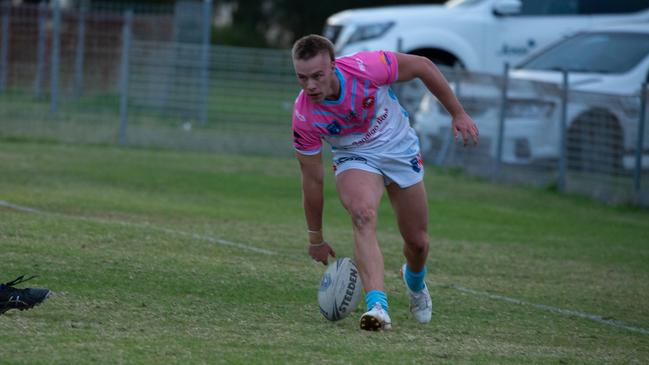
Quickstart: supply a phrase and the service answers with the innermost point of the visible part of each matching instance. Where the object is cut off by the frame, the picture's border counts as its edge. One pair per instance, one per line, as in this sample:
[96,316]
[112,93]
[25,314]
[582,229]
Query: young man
[21,299]
[348,103]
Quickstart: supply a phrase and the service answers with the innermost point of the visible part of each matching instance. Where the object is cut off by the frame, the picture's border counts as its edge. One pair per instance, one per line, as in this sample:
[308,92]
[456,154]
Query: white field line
[141,225]
[547,308]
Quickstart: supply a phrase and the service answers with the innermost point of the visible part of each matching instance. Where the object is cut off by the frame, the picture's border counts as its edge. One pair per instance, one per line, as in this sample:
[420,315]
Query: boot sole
[371,323]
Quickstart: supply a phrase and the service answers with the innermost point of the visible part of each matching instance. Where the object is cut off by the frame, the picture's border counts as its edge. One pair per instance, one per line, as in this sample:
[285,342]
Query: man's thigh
[411,208]
[360,189]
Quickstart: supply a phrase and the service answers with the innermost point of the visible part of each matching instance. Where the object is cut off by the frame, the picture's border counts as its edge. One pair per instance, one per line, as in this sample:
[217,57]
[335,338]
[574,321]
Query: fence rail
[544,134]
[100,75]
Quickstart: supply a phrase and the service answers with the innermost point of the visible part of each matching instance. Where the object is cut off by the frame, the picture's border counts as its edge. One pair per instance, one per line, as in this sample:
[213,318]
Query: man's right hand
[321,251]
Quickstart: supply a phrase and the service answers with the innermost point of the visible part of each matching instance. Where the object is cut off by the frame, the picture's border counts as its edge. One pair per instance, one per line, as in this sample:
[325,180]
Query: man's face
[317,77]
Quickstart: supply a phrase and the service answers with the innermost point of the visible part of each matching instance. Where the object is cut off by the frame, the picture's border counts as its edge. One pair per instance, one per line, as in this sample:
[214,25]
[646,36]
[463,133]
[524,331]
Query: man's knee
[418,243]
[363,217]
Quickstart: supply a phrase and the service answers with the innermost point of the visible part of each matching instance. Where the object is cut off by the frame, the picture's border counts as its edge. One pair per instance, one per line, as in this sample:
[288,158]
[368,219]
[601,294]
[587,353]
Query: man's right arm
[313,202]
[312,192]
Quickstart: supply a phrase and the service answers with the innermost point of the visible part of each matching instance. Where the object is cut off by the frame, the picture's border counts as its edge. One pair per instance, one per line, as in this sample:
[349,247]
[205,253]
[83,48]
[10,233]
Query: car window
[612,7]
[549,7]
[593,52]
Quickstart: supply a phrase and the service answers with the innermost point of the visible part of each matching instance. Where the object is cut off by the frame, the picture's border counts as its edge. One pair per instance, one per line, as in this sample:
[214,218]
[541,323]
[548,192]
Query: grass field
[167,257]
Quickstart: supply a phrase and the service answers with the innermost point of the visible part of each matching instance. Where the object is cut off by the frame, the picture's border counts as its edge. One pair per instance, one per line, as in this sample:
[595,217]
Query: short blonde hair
[312,45]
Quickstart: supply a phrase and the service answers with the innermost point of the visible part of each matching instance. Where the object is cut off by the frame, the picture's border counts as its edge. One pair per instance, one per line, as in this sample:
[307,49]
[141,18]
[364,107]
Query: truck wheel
[595,143]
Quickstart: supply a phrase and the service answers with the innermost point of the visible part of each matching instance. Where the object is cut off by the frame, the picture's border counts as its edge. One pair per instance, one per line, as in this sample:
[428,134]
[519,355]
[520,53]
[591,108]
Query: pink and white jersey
[366,116]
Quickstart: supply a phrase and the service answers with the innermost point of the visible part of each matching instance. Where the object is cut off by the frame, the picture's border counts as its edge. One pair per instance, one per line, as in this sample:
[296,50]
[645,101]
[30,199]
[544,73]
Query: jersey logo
[300,116]
[416,163]
[351,117]
[385,59]
[368,102]
[334,128]
[361,65]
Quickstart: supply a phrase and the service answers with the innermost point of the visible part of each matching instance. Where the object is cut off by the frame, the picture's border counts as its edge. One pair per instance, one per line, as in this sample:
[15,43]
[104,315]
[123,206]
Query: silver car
[606,68]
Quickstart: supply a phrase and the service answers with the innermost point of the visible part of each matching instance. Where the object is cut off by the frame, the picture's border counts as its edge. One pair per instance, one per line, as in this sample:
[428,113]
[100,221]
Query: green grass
[132,285]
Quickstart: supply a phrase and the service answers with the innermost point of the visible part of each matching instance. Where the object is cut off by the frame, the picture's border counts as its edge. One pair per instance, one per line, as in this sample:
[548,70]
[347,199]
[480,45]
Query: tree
[249,24]
[280,22]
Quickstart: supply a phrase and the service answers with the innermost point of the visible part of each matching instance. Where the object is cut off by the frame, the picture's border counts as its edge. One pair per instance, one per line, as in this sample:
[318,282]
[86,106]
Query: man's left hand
[463,124]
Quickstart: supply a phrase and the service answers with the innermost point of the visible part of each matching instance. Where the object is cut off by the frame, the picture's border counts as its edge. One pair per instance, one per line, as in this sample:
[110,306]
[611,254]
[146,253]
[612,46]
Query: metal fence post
[561,179]
[56,50]
[4,47]
[205,59]
[637,179]
[123,84]
[79,55]
[40,50]
[501,121]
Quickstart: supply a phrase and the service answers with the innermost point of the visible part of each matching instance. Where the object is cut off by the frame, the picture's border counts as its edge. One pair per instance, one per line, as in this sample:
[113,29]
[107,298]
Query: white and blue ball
[340,289]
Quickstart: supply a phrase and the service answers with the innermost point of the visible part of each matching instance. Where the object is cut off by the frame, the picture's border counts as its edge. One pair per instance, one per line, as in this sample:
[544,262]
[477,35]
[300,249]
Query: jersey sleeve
[382,66]
[306,140]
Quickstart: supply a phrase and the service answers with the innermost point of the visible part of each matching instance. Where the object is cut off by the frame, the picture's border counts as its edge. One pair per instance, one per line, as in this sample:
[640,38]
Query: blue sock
[415,280]
[376,296]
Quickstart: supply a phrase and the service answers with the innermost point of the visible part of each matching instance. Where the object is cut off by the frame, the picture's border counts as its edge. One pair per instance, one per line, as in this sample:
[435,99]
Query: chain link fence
[148,76]
[140,76]
[543,134]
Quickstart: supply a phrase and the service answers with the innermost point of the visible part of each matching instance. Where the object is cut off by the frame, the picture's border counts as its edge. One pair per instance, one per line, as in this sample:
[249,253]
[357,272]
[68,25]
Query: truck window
[612,7]
[550,7]
[605,53]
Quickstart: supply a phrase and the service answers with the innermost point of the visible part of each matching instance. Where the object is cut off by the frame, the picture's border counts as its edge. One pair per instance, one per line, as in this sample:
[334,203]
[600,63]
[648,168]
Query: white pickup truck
[478,35]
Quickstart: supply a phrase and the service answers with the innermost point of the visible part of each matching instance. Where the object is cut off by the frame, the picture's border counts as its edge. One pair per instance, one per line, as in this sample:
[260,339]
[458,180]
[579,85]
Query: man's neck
[336,88]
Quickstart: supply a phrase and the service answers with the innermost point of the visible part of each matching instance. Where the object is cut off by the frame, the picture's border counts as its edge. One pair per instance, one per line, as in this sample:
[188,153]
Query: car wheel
[595,143]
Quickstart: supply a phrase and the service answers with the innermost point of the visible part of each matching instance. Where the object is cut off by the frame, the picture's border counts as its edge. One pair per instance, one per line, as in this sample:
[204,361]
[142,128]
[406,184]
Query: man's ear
[333,65]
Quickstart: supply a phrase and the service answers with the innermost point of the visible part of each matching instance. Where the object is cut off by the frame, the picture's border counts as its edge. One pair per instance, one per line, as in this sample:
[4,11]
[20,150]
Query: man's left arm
[412,66]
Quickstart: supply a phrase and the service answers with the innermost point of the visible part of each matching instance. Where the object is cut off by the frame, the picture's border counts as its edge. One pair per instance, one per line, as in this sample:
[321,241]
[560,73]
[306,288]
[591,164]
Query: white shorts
[400,162]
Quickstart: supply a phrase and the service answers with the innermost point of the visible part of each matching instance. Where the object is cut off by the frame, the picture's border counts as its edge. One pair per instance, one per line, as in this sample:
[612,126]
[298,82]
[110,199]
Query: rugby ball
[340,289]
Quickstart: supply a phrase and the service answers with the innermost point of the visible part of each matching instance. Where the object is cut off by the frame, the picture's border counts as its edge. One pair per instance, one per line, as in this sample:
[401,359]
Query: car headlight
[369,31]
[529,109]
